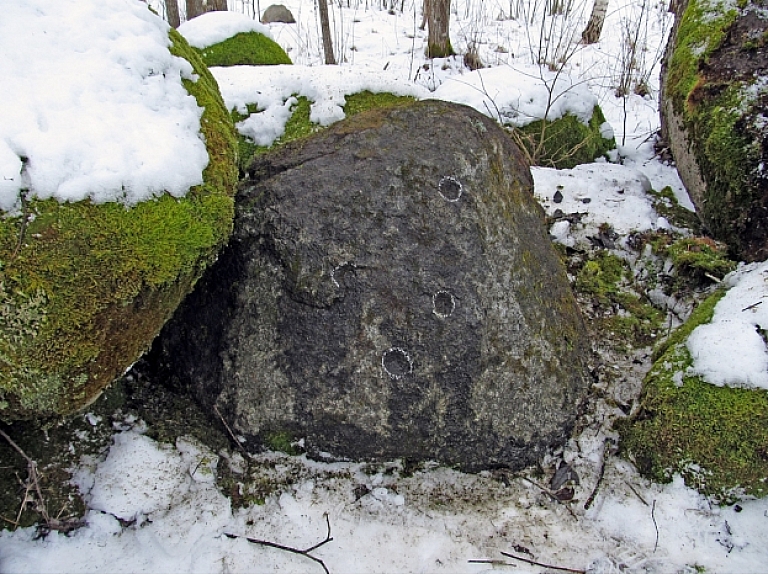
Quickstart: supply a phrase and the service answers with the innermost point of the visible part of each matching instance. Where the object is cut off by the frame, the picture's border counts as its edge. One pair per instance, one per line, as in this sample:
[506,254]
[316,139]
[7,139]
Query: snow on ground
[92,104]
[155,507]
[433,521]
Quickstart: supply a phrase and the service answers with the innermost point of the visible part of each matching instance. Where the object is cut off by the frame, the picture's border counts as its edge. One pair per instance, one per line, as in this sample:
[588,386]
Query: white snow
[518,96]
[729,350]
[273,89]
[92,104]
[214,27]
[118,117]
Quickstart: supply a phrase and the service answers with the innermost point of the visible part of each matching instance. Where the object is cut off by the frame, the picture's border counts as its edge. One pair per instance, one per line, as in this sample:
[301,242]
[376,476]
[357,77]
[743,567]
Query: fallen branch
[231,433]
[32,482]
[305,552]
[655,525]
[591,499]
[546,566]
[32,485]
[753,306]
[494,562]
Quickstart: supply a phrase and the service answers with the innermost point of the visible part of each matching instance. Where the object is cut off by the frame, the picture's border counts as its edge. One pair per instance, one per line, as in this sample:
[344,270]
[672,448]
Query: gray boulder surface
[390,291]
[277,13]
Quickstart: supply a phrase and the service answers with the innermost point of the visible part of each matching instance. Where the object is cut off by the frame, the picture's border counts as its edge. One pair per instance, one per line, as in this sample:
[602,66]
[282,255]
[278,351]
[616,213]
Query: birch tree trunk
[591,34]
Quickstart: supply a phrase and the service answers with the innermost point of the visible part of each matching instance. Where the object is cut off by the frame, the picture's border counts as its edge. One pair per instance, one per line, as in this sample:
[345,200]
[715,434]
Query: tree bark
[325,27]
[197,7]
[591,34]
[438,21]
[172,13]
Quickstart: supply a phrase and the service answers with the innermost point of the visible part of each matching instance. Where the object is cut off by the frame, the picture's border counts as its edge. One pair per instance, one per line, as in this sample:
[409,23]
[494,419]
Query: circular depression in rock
[396,362]
[450,188]
[443,304]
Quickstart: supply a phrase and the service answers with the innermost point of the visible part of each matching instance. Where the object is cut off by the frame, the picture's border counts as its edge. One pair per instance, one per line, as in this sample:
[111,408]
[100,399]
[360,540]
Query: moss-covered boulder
[715,437]
[232,39]
[85,287]
[567,141]
[714,94]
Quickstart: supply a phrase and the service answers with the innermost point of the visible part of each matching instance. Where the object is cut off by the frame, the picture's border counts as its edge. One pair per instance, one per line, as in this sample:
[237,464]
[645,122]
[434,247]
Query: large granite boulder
[389,291]
[86,286]
[714,96]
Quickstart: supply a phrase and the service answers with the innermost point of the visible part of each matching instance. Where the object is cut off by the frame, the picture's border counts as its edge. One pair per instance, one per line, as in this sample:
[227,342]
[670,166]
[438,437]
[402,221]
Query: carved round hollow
[450,188]
[443,304]
[397,363]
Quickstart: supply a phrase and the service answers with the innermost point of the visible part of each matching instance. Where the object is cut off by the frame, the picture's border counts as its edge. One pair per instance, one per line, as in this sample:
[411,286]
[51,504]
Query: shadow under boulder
[389,291]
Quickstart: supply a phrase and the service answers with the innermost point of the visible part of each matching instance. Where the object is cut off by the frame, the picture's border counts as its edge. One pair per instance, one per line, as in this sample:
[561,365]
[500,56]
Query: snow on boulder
[119,165]
[232,39]
[704,408]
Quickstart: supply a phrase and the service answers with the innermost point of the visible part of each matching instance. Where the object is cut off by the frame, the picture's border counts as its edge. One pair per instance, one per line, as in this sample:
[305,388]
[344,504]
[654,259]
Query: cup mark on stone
[443,304]
[396,362]
[450,188]
[341,272]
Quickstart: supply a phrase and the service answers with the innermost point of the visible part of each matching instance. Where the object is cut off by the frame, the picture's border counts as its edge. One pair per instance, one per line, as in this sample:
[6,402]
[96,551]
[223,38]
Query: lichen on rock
[85,287]
[389,291]
[714,94]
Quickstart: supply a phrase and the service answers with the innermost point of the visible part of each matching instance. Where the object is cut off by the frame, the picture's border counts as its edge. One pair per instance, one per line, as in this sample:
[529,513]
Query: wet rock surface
[389,292]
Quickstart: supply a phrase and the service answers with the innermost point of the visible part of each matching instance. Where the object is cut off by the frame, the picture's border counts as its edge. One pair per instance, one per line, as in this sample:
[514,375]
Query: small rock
[277,13]
[558,197]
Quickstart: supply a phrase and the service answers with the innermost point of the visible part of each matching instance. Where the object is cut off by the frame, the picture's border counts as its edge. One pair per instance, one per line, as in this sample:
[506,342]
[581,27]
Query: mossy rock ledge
[389,291]
[84,287]
[714,95]
[567,142]
[715,437]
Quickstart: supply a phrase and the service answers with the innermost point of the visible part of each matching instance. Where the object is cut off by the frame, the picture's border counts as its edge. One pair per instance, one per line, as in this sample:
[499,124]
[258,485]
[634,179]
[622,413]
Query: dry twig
[305,552]
[546,566]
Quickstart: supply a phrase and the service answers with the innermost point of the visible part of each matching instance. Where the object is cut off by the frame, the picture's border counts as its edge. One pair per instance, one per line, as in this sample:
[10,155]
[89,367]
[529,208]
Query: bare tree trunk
[591,34]
[197,7]
[172,12]
[438,20]
[325,28]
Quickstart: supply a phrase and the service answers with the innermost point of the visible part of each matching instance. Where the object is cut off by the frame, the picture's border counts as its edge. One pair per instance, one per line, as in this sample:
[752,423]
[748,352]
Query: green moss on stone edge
[566,142]
[722,111]
[84,288]
[300,126]
[715,437]
[245,49]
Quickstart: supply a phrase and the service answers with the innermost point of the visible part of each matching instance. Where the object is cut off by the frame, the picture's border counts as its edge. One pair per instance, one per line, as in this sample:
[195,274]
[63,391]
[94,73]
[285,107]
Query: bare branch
[545,565]
[305,552]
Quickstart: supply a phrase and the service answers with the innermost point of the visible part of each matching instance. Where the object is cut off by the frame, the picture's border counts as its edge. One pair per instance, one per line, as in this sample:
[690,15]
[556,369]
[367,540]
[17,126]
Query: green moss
[281,441]
[716,437]
[300,126]
[702,29]
[604,281]
[96,282]
[245,49]
[665,204]
[565,142]
[721,118]
[698,256]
